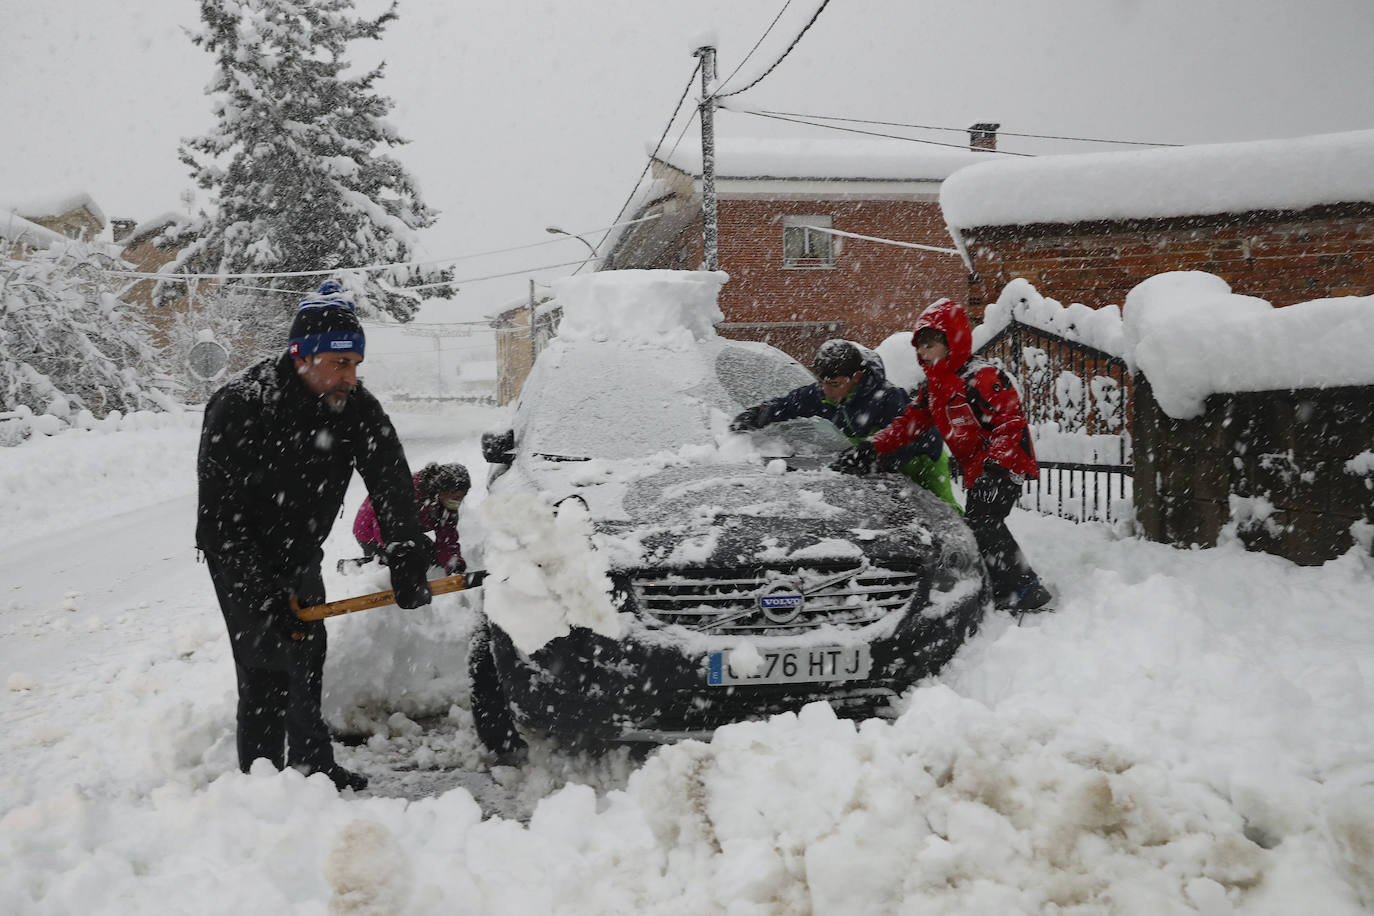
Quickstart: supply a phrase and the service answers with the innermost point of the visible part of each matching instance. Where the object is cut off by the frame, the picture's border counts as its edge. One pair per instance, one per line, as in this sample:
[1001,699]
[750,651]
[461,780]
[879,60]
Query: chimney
[983,136]
[120,228]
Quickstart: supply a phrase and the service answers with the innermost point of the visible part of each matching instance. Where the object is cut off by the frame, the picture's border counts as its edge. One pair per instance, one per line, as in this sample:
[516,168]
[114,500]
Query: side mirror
[499,448]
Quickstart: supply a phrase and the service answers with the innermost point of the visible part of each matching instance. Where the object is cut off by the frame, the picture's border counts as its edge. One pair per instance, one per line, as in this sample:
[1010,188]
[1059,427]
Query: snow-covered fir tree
[68,347]
[296,167]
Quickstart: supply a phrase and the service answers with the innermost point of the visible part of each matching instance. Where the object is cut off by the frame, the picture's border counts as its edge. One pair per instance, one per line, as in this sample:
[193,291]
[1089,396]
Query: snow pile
[543,575]
[22,423]
[659,307]
[899,361]
[388,661]
[152,458]
[1192,337]
[1100,328]
[1290,174]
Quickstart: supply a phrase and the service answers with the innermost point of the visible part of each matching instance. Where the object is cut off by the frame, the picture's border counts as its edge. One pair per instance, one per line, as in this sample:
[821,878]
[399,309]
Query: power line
[509,273]
[874,238]
[1001,133]
[649,163]
[765,34]
[781,58]
[867,133]
[148,275]
[682,133]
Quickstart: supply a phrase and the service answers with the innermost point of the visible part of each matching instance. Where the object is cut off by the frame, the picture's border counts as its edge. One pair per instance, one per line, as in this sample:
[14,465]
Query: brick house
[75,216]
[34,223]
[138,249]
[791,284]
[1285,220]
[515,353]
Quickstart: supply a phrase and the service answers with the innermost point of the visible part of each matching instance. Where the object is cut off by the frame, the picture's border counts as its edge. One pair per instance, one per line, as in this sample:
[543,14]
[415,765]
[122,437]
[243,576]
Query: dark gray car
[754,579]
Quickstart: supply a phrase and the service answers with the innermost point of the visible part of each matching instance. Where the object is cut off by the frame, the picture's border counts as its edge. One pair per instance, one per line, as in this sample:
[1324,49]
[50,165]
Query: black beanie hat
[438,478]
[325,323]
[837,358]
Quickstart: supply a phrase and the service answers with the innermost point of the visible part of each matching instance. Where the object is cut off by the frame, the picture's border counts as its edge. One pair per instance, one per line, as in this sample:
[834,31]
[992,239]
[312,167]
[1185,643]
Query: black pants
[280,679]
[986,507]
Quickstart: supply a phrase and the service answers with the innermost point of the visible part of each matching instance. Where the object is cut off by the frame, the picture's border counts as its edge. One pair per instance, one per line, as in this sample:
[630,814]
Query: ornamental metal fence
[1077,399]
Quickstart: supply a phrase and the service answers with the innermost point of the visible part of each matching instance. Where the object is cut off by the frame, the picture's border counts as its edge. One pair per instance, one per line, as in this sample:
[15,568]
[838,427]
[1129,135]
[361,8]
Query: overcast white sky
[526,114]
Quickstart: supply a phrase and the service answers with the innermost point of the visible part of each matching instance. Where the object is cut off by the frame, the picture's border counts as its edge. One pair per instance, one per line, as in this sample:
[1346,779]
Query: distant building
[515,349]
[1285,220]
[38,222]
[789,212]
[137,242]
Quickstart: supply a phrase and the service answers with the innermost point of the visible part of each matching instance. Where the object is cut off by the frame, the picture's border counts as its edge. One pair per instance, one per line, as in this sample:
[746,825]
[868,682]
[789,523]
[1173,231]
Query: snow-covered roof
[156,224]
[36,206]
[15,228]
[859,159]
[1287,174]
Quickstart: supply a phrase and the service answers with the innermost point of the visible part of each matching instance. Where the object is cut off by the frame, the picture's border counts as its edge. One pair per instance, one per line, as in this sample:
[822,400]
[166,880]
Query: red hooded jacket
[972,402]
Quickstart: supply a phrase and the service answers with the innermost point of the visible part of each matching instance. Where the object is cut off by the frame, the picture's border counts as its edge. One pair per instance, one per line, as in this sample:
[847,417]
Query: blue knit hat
[325,323]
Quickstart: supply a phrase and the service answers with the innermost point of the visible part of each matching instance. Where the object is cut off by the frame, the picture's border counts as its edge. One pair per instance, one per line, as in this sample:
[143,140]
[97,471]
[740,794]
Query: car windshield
[607,400]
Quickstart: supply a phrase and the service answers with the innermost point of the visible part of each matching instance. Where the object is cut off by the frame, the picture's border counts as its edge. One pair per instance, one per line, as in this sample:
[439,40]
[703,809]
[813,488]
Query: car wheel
[491,713]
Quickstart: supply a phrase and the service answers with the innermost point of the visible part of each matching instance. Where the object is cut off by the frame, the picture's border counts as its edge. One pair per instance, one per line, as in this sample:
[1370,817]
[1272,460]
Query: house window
[804,248]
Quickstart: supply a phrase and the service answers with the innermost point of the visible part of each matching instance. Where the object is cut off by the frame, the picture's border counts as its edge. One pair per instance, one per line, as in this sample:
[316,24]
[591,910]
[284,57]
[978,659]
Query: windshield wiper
[548,457]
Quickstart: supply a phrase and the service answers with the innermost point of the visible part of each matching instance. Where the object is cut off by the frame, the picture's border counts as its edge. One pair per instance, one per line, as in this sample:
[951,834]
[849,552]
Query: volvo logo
[781,603]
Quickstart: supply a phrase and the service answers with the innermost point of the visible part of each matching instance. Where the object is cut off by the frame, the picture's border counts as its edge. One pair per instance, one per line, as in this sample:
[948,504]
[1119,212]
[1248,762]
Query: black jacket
[871,406]
[274,465]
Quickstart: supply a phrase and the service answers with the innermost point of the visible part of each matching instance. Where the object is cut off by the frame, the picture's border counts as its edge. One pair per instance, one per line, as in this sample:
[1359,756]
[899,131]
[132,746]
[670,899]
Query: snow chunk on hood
[667,308]
[543,575]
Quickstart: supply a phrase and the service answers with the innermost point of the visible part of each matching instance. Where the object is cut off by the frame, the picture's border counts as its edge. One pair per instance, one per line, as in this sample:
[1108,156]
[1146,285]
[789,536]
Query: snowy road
[1189,733]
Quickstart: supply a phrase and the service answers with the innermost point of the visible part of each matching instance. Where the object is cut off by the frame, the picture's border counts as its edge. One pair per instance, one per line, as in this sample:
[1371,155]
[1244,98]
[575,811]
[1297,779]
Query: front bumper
[585,688]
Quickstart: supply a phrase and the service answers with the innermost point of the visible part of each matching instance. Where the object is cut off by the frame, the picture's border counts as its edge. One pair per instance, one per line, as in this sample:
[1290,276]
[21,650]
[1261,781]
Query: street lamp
[556,231]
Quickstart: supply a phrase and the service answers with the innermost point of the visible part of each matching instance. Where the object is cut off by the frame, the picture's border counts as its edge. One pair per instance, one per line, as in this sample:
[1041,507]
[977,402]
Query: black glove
[409,562]
[996,474]
[993,471]
[857,459]
[288,626]
[755,417]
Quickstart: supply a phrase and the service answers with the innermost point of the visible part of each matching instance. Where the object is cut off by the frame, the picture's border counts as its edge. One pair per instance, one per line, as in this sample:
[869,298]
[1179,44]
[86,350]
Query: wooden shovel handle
[376,599]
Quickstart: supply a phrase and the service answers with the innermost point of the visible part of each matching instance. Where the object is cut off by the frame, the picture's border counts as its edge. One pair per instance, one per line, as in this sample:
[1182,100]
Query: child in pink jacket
[439,491]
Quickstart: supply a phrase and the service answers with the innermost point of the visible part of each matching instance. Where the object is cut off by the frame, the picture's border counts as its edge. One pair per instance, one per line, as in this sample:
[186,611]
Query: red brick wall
[873,290]
[1284,257]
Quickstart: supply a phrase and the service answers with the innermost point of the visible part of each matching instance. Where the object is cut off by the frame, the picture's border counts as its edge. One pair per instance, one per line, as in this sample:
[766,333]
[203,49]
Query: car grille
[718,601]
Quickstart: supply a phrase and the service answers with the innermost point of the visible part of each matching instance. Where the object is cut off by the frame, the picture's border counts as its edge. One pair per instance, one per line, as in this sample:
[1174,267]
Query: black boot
[342,778]
[345,779]
[1027,596]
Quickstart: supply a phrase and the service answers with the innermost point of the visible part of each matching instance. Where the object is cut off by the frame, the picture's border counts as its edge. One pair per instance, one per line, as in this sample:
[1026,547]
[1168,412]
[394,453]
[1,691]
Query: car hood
[752,514]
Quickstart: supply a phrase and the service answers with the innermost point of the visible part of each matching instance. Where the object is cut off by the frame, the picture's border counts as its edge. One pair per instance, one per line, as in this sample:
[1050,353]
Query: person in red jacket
[439,490]
[977,409]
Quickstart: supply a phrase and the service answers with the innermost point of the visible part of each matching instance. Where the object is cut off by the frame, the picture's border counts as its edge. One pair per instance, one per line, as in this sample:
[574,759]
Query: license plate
[817,664]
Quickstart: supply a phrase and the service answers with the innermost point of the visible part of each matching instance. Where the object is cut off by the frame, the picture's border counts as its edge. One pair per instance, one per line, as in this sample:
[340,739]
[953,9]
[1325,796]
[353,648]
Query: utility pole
[534,345]
[707,54]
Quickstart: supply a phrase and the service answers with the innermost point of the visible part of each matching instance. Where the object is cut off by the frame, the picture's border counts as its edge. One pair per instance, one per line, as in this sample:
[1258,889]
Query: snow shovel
[381,599]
